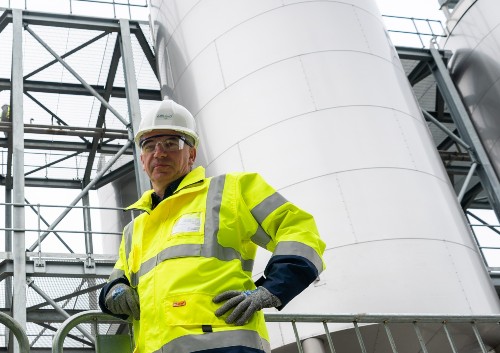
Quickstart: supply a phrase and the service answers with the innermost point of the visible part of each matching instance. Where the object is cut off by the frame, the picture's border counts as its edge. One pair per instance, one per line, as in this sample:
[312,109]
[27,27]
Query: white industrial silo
[312,95]
[474,41]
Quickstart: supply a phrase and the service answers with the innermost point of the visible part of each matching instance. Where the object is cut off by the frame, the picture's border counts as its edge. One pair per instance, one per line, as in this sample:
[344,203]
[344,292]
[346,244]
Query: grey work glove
[123,300]
[245,304]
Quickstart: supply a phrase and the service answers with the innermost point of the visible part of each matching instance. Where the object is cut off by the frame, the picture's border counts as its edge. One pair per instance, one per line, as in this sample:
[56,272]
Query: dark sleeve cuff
[105,290]
[286,276]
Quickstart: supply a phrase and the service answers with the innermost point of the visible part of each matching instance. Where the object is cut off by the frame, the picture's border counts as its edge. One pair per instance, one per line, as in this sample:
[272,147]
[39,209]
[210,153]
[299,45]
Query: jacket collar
[145,202]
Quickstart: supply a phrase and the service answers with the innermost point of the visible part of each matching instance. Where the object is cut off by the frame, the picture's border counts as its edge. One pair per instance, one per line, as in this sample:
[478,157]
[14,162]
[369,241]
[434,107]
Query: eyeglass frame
[180,137]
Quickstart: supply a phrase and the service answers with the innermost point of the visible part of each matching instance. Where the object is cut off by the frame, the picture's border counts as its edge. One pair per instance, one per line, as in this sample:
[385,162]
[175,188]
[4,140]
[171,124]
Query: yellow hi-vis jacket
[202,241]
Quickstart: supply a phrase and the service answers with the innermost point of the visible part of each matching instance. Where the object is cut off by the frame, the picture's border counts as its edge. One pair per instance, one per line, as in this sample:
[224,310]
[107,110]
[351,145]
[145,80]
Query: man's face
[164,167]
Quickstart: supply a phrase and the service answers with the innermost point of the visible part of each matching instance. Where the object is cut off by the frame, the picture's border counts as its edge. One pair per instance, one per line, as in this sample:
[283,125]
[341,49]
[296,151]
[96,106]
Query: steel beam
[115,174]
[58,308]
[84,191]
[68,296]
[76,75]
[74,183]
[466,128]
[66,130]
[86,44]
[58,268]
[115,59]
[77,147]
[76,89]
[146,49]
[18,241]
[134,111]
[49,183]
[409,53]
[42,219]
[73,21]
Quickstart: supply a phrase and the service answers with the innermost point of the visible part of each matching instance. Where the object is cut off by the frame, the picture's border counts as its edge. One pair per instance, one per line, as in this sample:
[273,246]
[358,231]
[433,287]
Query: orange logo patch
[179,304]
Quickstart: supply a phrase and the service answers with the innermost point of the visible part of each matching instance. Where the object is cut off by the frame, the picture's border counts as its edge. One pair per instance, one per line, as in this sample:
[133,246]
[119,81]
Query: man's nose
[159,149]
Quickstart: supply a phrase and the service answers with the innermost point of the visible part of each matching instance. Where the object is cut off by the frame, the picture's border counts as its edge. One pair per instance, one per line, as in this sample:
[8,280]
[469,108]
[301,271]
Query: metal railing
[115,7]
[93,316]
[39,228]
[475,329]
[17,330]
[487,237]
[355,332]
[410,27]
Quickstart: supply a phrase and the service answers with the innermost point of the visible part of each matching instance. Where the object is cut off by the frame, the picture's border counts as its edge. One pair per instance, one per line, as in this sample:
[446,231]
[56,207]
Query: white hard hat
[168,115]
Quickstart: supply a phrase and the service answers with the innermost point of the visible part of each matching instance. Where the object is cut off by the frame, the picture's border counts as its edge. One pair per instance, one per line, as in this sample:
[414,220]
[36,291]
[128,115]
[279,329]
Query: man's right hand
[123,300]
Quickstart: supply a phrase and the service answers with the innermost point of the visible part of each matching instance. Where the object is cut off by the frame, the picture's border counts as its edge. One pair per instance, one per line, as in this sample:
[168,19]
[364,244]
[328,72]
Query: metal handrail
[19,333]
[382,319]
[72,321]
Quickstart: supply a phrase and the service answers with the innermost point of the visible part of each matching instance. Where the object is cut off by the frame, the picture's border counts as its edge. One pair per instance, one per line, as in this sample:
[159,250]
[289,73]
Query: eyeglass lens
[167,143]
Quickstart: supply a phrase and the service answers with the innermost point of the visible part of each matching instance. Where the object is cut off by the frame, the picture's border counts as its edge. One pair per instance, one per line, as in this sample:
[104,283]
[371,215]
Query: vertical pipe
[87,224]
[18,241]
[39,231]
[132,99]
[8,248]
[313,345]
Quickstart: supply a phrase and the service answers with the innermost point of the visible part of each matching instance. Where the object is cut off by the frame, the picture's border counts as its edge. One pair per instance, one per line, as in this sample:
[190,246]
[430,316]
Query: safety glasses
[168,143]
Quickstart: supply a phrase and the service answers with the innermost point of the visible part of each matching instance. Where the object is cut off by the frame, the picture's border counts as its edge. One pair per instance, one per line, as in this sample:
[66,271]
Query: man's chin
[163,176]
[161,170]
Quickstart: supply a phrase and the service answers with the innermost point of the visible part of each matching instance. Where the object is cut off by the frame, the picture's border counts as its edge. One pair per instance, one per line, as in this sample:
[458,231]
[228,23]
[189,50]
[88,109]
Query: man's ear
[142,163]
[192,155]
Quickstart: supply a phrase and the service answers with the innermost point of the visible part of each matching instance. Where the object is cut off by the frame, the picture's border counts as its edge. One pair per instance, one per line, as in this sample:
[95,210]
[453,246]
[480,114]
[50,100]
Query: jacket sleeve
[289,232]
[287,276]
[105,290]
[118,275]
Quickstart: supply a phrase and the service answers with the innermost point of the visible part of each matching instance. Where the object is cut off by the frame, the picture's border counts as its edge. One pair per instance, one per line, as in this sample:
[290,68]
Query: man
[184,272]
[5,116]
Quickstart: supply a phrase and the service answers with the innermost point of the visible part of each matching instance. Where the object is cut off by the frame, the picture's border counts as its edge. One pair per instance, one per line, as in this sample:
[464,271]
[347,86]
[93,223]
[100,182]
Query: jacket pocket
[188,228]
[188,224]
[187,309]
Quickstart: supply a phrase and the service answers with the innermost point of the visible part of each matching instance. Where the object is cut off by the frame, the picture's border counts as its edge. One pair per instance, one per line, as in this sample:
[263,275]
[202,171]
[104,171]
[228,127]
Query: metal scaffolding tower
[98,142]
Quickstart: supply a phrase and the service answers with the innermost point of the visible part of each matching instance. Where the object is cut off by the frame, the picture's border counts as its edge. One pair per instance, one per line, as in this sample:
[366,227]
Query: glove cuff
[269,299]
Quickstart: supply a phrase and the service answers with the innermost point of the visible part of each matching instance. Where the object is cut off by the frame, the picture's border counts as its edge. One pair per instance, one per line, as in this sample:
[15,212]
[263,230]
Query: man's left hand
[245,304]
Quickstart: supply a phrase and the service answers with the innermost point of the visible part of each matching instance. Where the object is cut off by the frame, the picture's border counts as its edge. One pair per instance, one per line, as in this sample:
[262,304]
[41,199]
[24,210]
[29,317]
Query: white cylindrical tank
[312,95]
[474,36]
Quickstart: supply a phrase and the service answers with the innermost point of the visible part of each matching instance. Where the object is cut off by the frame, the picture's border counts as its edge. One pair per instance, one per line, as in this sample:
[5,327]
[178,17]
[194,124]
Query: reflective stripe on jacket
[202,241]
